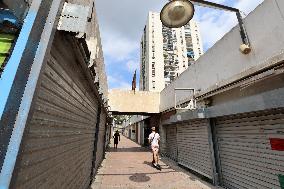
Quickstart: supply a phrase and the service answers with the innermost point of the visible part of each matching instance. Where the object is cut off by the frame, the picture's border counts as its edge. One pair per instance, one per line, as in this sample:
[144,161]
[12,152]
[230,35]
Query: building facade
[166,52]
[56,63]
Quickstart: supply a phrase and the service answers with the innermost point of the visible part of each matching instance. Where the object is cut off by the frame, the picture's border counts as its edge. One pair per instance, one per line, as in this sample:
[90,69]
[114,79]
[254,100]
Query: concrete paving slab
[129,167]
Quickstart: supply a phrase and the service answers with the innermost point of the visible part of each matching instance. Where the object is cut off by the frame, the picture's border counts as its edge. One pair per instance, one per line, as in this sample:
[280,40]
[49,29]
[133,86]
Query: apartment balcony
[170,67]
[172,73]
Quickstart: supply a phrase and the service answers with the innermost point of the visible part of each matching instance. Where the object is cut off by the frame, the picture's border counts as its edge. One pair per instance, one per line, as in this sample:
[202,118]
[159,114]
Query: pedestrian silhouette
[154,139]
[116,137]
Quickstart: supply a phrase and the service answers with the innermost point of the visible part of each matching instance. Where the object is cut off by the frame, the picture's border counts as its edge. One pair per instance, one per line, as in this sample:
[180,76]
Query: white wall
[265,28]
[132,102]
[18,7]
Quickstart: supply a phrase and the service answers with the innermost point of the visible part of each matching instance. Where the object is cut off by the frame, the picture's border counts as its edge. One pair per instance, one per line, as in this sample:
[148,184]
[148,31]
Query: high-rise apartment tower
[166,53]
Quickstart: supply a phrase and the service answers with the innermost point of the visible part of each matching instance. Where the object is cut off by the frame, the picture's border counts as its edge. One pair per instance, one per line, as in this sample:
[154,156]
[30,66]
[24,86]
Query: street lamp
[177,13]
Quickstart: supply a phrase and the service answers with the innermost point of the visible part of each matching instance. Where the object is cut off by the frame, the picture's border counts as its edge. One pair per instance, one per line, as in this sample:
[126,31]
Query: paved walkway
[129,167]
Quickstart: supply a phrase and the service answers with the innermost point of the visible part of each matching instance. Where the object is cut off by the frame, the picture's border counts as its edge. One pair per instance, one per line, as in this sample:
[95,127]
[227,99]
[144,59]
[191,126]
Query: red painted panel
[277,144]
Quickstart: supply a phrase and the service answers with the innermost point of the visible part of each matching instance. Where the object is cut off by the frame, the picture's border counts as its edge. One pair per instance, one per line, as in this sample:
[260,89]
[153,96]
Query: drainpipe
[215,156]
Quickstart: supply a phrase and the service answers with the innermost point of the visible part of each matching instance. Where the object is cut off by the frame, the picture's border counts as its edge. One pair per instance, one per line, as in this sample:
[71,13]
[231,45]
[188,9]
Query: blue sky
[122,22]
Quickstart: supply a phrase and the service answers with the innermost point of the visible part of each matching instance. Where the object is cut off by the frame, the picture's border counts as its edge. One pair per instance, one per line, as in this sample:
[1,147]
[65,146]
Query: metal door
[250,150]
[57,149]
[193,147]
[101,140]
[171,142]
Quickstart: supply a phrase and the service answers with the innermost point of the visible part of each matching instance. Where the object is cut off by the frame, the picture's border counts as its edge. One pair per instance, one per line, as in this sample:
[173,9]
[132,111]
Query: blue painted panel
[6,82]
[9,73]
[6,15]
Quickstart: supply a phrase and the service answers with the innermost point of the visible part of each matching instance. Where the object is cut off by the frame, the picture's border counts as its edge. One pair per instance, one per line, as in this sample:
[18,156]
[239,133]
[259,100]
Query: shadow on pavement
[139,177]
[163,166]
[132,149]
[150,173]
[148,163]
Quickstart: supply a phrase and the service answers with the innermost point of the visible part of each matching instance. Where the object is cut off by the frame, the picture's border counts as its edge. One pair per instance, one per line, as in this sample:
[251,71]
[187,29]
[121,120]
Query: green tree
[119,119]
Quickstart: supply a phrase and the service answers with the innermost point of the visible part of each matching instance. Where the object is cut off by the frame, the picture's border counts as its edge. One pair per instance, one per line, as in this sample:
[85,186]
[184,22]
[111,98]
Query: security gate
[101,140]
[250,150]
[57,148]
[171,139]
[193,147]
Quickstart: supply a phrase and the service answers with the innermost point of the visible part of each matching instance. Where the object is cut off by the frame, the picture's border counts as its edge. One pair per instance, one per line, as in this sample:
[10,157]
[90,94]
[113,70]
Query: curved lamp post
[177,13]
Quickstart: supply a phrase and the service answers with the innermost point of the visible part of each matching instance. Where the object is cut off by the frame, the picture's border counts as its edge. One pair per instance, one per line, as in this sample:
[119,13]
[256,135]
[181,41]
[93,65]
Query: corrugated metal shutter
[141,133]
[246,158]
[193,147]
[107,138]
[101,140]
[57,148]
[171,141]
[137,133]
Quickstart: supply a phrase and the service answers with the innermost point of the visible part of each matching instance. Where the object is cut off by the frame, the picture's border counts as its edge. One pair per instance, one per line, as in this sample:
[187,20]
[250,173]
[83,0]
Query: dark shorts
[115,141]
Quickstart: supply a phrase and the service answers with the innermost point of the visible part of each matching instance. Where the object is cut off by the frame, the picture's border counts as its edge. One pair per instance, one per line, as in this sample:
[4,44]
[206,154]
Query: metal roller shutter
[107,138]
[101,140]
[246,156]
[171,140]
[57,148]
[193,147]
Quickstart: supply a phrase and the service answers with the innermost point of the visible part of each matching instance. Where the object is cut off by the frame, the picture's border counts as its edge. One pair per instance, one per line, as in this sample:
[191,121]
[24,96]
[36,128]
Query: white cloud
[219,1]
[132,65]
[118,47]
[118,82]
[215,23]
[122,23]
[247,6]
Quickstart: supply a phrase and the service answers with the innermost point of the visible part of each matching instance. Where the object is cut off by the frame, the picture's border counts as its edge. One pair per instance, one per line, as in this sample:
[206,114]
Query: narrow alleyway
[129,167]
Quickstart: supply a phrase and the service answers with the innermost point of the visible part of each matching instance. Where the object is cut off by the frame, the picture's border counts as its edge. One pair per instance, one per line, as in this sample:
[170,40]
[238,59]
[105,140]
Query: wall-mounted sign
[277,144]
[74,18]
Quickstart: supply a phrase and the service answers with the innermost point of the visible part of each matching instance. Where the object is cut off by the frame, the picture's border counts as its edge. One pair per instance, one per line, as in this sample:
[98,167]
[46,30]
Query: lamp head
[177,13]
[245,49]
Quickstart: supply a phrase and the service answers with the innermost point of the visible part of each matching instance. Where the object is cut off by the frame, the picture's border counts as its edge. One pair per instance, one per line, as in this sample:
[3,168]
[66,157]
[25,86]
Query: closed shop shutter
[57,149]
[248,156]
[137,133]
[171,142]
[101,140]
[108,135]
[193,147]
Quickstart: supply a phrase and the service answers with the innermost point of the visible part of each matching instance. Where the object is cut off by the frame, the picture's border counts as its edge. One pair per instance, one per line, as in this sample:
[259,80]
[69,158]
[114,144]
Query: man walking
[116,138]
[154,139]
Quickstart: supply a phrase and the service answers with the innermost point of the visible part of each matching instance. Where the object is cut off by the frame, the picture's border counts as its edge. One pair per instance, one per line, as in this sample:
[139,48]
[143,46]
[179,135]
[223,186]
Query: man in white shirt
[154,139]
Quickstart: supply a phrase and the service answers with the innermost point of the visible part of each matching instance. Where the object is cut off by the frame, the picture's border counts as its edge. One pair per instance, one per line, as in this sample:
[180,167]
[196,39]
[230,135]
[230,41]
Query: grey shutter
[193,147]
[101,142]
[246,158]
[57,149]
[171,142]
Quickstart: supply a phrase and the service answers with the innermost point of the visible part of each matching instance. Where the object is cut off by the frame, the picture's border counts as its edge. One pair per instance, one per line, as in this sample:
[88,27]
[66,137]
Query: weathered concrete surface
[130,167]
[18,7]
[94,43]
[224,63]
[123,101]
